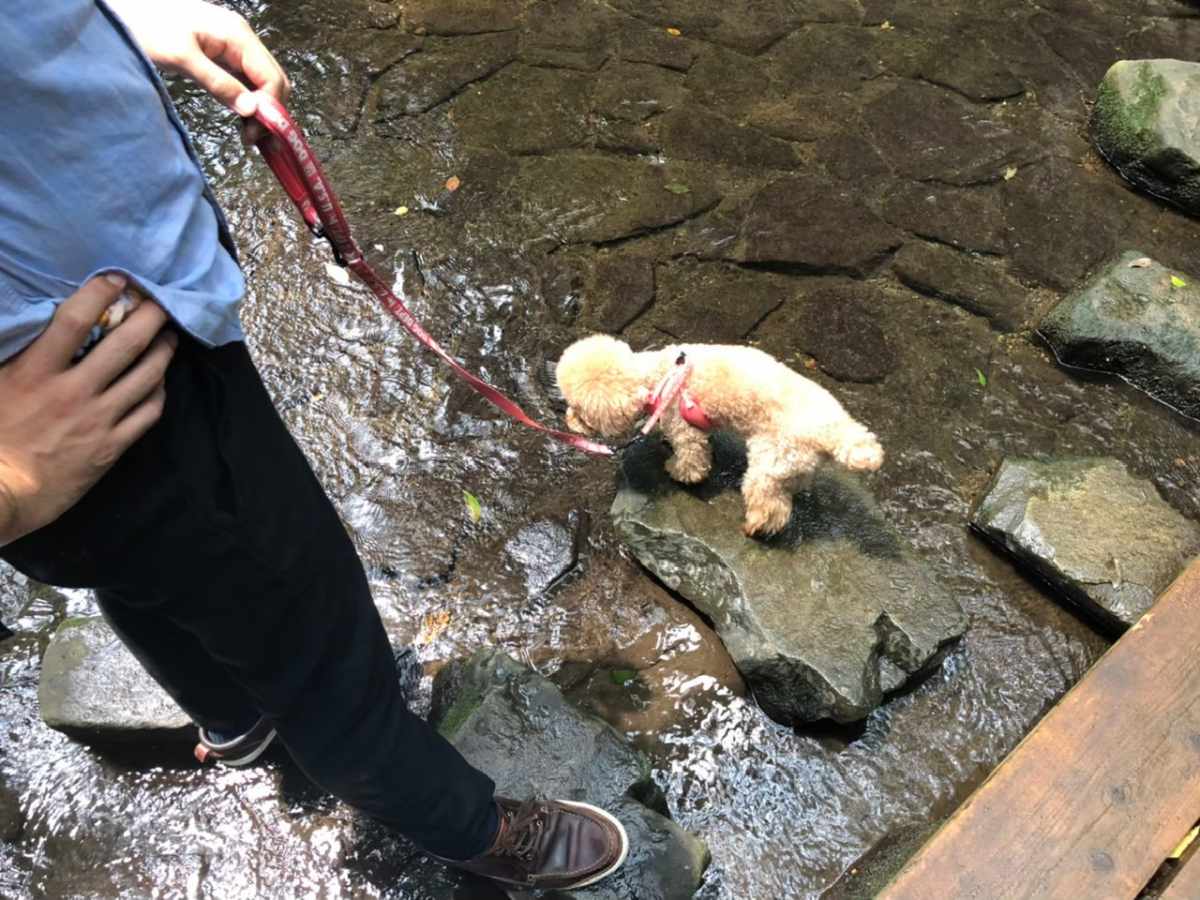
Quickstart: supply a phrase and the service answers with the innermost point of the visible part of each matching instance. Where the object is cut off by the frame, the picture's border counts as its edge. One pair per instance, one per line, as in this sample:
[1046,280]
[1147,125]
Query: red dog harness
[672,385]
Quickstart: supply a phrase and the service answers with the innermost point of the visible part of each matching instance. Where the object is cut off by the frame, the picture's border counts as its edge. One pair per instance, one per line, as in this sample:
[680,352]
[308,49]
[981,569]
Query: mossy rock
[1146,122]
[1105,540]
[1137,319]
[94,689]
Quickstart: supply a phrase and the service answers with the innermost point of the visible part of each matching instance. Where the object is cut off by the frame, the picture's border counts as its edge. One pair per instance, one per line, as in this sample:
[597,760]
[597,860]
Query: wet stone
[821,620]
[442,69]
[851,158]
[974,284]
[12,819]
[620,289]
[734,301]
[1142,323]
[92,688]
[838,325]
[515,725]
[545,552]
[927,132]
[726,82]
[782,230]
[800,116]
[1146,122]
[457,17]
[552,117]
[966,65]
[629,92]
[728,25]
[641,42]
[580,189]
[1103,538]
[825,59]
[967,218]
[1062,221]
[693,133]
[569,34]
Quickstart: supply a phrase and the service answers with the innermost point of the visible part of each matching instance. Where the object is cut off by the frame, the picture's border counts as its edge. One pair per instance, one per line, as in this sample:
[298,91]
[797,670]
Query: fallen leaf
[1010,173]
[674,32]
[337,273]
[474,508]
[1142,262]
[432,627]
[402,210]
[453,183]
[1176,281]
[676,188]
[887,26]
[622,677]
[981,378]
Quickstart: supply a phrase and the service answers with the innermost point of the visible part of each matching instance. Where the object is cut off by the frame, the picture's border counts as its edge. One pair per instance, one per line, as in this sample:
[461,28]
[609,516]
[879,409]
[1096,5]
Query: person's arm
[63,425]
[214,47]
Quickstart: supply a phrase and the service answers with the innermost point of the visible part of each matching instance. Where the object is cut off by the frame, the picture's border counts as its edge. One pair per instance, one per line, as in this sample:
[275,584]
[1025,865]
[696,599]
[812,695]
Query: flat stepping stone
[516,726]
[1137,319]
[1146,122]
[823,620]
[92,688]
[1101,537]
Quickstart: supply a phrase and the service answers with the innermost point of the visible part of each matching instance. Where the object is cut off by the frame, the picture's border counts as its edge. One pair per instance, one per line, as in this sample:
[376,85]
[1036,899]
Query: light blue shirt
[97,173]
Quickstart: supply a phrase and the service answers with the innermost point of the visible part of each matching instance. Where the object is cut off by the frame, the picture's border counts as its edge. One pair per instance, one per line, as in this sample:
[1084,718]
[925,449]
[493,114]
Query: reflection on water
[396,444]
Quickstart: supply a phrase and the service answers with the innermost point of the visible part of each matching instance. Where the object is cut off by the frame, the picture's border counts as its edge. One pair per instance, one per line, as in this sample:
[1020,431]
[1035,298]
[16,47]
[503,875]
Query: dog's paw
[865,455]
[764,520]
[688,471]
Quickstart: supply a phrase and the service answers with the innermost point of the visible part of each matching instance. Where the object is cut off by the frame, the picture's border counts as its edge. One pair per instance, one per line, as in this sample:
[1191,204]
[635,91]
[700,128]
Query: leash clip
[318,231]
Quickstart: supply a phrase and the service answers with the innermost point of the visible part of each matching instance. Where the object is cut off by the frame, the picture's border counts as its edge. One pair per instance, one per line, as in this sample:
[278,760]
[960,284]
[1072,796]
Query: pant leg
[178,662]
[215,522]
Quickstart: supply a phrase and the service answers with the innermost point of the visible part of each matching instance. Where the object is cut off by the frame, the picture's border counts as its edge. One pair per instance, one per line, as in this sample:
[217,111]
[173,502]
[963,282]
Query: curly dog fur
[789,423]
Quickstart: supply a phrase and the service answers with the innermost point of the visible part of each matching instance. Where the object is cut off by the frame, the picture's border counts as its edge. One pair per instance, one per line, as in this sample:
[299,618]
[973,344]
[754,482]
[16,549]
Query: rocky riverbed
[888,194]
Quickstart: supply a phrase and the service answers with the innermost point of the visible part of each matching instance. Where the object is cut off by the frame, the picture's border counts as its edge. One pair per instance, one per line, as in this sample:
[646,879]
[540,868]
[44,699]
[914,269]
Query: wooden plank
[1099,793]
[1186,883]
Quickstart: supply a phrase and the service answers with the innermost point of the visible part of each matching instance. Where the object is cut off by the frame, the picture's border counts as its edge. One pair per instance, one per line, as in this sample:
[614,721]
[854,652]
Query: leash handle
[295,165]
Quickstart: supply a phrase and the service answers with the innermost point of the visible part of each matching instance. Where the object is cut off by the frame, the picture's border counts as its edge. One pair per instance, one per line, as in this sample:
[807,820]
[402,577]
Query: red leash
[294,164]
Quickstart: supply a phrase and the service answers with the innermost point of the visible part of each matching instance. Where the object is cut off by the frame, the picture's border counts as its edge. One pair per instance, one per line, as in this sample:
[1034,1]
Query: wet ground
[815,178]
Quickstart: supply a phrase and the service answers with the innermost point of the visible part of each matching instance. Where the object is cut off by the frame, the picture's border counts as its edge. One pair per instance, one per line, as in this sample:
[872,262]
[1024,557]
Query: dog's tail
[855,448]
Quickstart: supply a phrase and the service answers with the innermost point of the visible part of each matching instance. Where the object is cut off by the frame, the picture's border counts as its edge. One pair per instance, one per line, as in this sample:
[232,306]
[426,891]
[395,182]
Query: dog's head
[599,378]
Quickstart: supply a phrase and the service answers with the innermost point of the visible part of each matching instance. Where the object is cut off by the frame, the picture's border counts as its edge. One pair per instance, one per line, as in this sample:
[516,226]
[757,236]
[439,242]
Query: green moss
[460,711]
[1149,89]
[1125,125]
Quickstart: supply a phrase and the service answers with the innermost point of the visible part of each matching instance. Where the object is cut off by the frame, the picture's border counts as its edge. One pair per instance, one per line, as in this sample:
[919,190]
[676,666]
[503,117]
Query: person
[152,466]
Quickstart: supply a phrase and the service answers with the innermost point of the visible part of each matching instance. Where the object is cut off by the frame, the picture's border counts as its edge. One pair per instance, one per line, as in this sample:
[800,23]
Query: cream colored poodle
[789,423]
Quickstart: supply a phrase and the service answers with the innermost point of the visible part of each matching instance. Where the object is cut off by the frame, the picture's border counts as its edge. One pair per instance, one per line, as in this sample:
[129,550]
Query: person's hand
[62,426]
[214,47]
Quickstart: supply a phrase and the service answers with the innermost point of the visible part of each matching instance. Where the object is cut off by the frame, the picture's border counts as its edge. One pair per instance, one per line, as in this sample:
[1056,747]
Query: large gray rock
[1146,122]
[515,725]
[1142,323]
[822,620]
[1103,538]
[93,688]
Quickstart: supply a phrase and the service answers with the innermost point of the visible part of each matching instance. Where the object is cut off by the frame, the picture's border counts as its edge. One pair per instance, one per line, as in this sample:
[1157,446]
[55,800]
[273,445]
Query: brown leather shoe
[551,845]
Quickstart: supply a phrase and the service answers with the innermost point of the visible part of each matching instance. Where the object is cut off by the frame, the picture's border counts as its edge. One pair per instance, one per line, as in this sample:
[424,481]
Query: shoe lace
[523,830]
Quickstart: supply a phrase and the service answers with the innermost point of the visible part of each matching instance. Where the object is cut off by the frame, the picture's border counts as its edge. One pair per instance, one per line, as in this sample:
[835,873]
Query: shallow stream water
[556,115]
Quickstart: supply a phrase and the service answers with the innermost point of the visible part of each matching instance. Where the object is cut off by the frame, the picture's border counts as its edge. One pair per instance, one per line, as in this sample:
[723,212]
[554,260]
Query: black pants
[219,560]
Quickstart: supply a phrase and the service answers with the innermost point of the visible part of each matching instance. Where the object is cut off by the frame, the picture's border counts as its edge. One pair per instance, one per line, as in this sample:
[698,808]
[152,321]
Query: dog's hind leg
[691,460]
[771,474]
